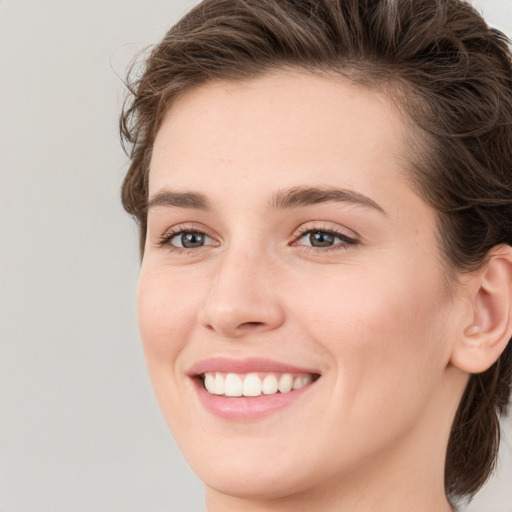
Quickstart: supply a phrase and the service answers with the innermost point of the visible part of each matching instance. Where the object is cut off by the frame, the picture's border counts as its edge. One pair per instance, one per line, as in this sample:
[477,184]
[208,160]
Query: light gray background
[79,427]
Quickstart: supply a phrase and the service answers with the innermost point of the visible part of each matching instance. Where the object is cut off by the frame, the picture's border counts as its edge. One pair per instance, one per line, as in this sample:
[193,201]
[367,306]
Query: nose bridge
[242,297]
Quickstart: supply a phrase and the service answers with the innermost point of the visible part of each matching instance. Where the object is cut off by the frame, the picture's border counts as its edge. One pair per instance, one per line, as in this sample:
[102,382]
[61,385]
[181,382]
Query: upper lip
[249,365]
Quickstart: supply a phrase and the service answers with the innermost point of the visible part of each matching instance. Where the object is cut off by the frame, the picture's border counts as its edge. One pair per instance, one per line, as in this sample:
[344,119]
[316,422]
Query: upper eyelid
[188,227]
[330,231]
[303,228]
[324,226]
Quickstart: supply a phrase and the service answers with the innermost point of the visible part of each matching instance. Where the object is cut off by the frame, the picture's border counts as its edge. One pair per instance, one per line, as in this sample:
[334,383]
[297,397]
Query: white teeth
[269,385]
[300,382]
[252,385]
[209,383]
[285,383]
[234,385]
[219,384]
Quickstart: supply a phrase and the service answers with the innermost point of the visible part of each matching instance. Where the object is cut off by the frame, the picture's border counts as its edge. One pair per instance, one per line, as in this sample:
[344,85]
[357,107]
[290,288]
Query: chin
[255,469]
[252,482]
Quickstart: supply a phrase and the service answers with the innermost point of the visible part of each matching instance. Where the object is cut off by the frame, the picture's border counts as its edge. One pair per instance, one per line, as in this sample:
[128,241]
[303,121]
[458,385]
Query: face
[286,249]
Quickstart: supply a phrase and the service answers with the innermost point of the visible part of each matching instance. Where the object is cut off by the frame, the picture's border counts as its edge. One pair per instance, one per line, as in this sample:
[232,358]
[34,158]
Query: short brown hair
[446,69]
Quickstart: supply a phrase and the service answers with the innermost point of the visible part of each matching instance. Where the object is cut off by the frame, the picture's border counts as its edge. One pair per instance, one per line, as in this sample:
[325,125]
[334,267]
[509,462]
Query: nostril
[250,325]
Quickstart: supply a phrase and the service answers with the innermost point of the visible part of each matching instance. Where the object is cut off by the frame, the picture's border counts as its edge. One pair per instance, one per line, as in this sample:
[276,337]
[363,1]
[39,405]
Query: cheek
[386,336]
[165,314]
[365,308]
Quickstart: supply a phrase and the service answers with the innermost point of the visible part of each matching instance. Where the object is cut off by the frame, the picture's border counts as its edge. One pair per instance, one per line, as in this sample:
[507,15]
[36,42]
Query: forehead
[287,125]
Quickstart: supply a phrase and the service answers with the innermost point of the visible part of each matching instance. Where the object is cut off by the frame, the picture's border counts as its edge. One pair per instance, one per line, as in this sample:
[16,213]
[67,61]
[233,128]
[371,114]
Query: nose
[243,298]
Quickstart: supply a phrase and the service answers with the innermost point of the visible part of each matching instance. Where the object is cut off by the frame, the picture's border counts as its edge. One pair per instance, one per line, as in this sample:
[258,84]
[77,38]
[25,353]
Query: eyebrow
[294,197]
[191,200]
[305,196]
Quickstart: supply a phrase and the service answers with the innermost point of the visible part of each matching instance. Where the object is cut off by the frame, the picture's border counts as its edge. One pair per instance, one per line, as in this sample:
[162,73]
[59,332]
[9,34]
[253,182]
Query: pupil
[190,240]
[321,239]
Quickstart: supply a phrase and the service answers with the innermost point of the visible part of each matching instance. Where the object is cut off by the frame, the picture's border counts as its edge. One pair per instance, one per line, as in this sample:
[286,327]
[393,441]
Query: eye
[324,239]
[189,240]
[320,239]
[186,239]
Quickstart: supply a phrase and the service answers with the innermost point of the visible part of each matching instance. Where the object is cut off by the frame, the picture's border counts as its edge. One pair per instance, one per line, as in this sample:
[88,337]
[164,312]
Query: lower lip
[247,408]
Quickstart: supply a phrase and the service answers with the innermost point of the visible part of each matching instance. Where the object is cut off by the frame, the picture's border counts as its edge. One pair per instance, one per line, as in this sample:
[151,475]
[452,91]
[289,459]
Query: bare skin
[368,309]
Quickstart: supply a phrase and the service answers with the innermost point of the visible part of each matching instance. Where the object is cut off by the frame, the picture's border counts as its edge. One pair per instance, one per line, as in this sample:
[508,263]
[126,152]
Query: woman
[324,195]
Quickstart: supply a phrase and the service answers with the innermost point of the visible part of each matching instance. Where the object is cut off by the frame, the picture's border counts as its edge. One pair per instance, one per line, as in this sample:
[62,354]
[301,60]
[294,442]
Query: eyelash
[346,241]
[165,240]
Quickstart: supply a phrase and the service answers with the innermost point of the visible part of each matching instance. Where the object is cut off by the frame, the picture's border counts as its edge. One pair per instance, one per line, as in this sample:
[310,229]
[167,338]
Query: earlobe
[481,343]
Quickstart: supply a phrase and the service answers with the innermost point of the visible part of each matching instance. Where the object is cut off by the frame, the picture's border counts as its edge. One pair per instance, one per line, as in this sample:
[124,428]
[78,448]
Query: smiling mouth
[254,384]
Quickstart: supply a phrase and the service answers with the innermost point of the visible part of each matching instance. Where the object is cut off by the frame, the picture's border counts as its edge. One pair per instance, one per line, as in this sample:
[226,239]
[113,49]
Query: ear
[483,339]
